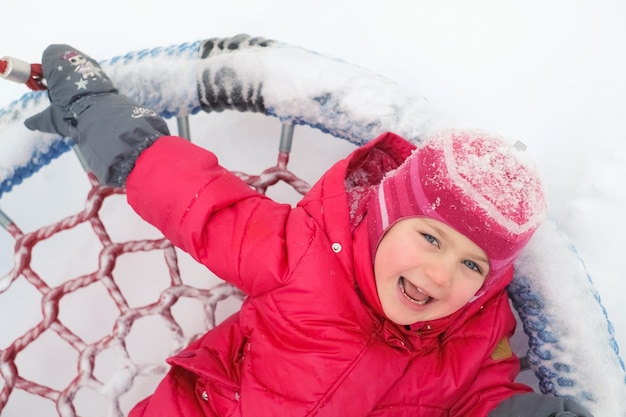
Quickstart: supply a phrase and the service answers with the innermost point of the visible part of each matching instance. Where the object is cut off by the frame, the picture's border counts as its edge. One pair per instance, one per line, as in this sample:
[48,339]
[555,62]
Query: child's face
[426,270]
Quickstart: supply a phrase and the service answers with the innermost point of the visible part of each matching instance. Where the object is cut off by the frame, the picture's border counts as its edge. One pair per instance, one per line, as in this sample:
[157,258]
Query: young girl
[382,293]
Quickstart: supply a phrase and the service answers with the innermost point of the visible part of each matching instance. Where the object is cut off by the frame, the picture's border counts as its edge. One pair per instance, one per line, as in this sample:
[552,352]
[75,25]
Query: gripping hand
[110,130]
[539,405]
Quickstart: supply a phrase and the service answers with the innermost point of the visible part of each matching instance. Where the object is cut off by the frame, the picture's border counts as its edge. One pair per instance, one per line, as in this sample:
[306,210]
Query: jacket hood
[342,195]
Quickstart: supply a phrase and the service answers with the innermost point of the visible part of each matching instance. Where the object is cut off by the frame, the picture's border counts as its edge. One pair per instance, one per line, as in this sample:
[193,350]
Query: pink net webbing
[92,368]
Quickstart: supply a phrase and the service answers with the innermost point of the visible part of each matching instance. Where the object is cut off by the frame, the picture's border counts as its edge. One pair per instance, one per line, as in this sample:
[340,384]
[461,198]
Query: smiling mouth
[414,294]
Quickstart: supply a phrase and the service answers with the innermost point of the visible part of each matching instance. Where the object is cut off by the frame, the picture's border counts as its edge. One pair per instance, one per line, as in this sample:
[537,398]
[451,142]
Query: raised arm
[178,187]
[212,214]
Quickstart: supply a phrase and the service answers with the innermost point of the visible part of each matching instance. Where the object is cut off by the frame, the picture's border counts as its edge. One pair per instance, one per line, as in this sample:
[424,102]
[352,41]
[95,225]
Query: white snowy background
[549,73]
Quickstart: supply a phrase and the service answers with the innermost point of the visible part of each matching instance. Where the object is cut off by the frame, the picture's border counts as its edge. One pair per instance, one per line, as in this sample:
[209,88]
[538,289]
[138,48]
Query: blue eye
[472,265]
[431,239]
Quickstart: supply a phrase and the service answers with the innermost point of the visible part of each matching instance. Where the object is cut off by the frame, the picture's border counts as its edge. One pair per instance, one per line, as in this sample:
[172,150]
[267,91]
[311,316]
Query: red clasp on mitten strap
[22,72]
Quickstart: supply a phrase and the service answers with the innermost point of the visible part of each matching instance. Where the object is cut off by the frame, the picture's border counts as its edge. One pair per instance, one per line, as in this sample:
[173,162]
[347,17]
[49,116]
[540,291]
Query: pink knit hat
[472,181]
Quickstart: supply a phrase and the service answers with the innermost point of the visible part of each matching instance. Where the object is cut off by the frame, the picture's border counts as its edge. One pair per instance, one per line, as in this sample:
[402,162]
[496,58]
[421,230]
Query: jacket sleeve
[496,364]
[209,212]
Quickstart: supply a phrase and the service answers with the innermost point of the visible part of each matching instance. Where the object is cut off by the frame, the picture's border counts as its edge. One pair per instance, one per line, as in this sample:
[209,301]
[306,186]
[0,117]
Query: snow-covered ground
[548,73]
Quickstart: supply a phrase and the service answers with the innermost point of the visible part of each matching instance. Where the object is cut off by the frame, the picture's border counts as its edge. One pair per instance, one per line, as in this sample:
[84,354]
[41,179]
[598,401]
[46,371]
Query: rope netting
[126,369]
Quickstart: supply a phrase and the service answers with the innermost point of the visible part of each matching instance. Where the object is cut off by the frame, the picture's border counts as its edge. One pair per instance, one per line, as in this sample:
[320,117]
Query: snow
[485,166]
[549,74]
[562,319]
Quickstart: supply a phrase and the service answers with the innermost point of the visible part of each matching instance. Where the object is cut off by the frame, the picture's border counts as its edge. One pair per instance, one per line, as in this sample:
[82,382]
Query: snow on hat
[472,181]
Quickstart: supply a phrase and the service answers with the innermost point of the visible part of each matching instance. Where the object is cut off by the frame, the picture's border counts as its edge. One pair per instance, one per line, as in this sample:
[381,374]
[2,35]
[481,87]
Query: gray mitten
[539,405]
[109,129]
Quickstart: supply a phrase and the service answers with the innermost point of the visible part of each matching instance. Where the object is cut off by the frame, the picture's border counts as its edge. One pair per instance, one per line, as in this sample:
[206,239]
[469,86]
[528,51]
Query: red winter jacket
[310,339]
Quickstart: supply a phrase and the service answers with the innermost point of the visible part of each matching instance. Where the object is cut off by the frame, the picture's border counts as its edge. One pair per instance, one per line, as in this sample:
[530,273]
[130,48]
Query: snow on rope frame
[259,75]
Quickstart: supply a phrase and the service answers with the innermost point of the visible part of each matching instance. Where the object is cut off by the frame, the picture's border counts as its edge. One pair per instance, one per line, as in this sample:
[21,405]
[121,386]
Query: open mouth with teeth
[414,294]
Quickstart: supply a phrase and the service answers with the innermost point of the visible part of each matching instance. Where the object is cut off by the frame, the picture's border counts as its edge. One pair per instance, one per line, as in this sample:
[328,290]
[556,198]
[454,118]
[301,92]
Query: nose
[439,271]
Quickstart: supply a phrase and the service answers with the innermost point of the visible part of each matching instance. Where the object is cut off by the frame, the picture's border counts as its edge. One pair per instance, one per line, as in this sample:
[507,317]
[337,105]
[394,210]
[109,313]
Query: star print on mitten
[71,74]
